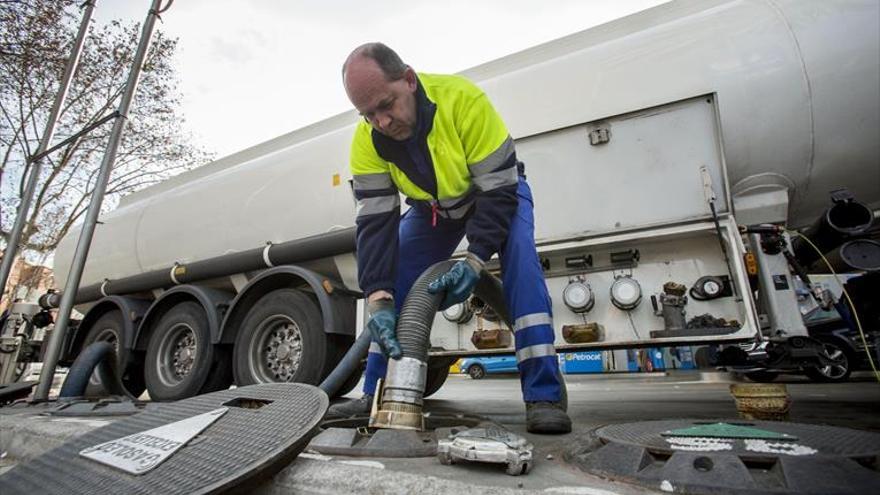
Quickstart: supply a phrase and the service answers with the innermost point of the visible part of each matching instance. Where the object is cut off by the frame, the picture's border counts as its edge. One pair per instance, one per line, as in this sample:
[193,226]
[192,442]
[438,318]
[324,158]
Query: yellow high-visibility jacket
[460,163]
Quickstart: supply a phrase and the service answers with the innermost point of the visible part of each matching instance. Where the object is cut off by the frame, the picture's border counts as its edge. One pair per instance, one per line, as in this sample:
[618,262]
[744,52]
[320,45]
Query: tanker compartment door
[626,273]
[642,262]
[641,169]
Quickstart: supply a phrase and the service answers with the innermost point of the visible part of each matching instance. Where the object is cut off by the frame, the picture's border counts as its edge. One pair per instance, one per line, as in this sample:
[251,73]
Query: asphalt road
[602,399]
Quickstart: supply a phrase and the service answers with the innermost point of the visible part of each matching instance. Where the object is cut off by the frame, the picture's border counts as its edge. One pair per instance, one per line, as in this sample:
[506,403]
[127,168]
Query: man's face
[388,106]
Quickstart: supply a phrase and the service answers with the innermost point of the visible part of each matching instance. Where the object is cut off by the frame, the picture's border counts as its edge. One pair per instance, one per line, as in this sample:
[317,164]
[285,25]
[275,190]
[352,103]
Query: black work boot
[351,407]
[547,417]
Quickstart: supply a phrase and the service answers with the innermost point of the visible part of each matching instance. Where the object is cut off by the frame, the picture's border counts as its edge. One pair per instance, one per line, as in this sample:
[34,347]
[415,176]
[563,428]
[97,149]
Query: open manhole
[733,456]
[353,437]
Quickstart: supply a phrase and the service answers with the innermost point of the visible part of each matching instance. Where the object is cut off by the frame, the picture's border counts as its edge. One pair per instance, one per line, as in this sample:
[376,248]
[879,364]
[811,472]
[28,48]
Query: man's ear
[411,80]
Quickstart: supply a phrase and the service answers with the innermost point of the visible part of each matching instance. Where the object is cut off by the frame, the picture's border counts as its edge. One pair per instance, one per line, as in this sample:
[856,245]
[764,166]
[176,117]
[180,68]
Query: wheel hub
[282,351]
[184,354]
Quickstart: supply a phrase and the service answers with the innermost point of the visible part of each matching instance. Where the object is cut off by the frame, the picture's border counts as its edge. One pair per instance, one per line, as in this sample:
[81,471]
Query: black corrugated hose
[420,307]
[415,321]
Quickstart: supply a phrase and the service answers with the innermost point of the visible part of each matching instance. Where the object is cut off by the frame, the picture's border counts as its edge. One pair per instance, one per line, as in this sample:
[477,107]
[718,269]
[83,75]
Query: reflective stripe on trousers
[525,292]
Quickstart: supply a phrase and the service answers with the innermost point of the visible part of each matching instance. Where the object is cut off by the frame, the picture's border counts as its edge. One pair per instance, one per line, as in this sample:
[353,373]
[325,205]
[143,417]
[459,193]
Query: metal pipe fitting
[400,395]
[402,391]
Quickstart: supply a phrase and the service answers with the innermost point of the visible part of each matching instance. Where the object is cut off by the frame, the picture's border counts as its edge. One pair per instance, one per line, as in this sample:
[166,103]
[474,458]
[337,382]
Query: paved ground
[594,401]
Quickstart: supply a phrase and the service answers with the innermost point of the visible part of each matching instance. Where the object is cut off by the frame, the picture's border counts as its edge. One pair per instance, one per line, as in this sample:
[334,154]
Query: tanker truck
[648,141]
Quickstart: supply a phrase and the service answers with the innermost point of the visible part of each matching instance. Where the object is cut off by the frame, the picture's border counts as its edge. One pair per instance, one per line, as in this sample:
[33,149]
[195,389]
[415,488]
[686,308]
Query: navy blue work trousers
[525,292]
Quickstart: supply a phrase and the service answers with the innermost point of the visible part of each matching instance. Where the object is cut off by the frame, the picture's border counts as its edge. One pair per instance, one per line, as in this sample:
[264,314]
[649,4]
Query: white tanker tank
[797,87]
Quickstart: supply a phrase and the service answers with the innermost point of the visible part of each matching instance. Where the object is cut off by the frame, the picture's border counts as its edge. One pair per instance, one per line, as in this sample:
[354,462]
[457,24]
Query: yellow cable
[849,299]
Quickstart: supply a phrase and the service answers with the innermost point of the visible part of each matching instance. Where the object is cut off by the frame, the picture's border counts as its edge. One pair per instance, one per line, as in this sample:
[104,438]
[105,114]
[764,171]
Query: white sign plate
[141,452]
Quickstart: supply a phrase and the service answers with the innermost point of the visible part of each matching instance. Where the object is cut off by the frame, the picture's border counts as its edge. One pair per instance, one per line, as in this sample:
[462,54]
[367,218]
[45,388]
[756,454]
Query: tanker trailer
[641,138]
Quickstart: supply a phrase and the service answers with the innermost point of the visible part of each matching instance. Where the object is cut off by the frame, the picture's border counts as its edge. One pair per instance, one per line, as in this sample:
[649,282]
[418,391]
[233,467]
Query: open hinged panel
[652,167]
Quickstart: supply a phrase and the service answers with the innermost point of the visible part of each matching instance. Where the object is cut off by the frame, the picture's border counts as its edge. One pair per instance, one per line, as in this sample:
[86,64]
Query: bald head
[385,58]
[382,89]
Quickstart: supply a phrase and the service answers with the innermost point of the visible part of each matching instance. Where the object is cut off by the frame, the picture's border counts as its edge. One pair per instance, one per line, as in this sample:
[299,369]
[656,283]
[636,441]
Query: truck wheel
[837,372]
[109,328]
[438,372]
[181,362]
[282,340]
[435,379]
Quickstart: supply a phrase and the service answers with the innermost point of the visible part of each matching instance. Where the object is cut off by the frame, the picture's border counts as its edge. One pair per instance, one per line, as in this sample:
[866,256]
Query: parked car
[842,344]
[479,367]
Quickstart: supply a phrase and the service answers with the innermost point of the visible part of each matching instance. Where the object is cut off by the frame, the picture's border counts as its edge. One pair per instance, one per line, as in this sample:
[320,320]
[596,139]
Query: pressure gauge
[626,293]
[711,287]
[458,313]
[578,296]
[706,288]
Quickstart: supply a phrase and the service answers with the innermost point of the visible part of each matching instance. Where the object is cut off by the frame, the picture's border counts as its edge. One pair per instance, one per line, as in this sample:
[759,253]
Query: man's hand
[382,326]
[459,281]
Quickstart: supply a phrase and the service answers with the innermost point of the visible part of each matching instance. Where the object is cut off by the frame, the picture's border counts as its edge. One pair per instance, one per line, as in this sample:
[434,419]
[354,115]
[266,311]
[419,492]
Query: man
[438,140]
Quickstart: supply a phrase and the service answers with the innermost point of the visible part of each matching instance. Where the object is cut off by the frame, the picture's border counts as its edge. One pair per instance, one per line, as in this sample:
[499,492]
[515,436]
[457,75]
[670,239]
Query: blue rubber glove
[383,327]
[459,281]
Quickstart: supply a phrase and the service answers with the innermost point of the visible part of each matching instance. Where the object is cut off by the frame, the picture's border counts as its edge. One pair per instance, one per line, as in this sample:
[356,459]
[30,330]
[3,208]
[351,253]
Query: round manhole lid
[823,440]
[733,456]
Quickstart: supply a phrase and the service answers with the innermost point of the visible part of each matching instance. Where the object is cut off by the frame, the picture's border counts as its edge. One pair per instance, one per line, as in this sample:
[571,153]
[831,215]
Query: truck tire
[436,378]
[438,372]
[282,340]
[109,328]
[181,362]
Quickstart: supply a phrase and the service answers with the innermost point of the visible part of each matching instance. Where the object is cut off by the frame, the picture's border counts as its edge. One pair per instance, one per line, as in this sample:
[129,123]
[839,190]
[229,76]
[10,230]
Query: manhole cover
[735,456]
[257,430]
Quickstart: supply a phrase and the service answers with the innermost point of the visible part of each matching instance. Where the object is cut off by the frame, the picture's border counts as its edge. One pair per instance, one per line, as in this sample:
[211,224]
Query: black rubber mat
[811,459]
[264,428]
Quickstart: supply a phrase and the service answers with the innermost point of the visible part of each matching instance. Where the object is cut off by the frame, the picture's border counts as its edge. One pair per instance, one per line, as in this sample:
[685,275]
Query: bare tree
[35,40]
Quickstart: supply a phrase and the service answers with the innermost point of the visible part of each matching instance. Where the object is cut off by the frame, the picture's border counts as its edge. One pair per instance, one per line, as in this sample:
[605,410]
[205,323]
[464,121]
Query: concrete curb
[312,476]
[25,436]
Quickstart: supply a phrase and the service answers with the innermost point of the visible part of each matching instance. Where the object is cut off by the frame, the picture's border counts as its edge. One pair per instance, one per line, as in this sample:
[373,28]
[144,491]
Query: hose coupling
[400,404]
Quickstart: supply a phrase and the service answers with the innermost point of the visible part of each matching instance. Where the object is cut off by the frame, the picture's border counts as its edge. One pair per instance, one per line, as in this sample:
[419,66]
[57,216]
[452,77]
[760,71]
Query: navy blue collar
[398,152]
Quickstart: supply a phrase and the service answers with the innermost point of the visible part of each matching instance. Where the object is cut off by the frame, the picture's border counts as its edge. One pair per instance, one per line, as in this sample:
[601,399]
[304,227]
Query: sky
[253,70]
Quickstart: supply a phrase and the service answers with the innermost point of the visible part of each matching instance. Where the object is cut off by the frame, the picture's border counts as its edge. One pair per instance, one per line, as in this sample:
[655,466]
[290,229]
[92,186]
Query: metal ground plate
[352,437]
[264,428]
[821,459]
